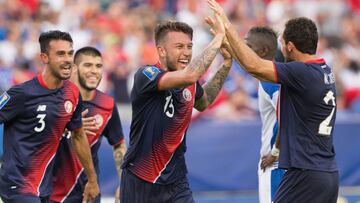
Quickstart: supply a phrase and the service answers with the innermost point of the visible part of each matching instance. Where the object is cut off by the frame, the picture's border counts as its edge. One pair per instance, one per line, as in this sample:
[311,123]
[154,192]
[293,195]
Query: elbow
[253,69]
[201,108]
[191,77]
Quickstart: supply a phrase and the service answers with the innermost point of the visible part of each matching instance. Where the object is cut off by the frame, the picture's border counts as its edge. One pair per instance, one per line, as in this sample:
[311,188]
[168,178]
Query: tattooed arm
[198,66]
[213,86]
[250,61]
[119,152]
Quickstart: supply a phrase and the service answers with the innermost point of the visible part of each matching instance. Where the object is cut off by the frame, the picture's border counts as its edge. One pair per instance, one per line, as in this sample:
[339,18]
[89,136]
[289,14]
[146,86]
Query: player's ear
[44,58]
[264,51]
[161,51]
[290,46]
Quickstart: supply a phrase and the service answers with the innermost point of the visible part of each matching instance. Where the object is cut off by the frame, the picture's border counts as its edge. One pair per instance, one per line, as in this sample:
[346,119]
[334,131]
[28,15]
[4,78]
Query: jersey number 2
[325,128]
[41,122]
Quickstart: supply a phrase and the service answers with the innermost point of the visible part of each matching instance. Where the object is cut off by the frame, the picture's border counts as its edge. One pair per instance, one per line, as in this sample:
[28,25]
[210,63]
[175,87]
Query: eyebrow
[63,51]
[179,43]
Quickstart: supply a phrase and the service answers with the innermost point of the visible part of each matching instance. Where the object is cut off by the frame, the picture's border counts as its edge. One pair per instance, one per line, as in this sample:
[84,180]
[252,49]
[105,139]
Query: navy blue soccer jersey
[69,177]
[159,123]
[34,120]
[307,115]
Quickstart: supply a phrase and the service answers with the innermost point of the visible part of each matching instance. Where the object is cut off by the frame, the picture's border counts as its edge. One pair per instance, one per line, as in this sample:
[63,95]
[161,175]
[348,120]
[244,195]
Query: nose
[187,52]
[69,58]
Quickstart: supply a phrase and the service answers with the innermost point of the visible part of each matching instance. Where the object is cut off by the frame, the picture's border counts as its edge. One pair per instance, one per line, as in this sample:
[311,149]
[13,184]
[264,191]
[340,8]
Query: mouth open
[66,69]
[183,62]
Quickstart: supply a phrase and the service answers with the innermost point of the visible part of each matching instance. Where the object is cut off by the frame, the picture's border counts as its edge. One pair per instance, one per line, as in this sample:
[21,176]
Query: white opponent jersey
[268,96]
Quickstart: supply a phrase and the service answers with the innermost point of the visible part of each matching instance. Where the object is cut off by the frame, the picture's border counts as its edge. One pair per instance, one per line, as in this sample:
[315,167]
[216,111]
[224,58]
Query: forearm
[277,139]
[214,85]
[201,63]
[249,60]
[243,53]
[82,149]
[119,152]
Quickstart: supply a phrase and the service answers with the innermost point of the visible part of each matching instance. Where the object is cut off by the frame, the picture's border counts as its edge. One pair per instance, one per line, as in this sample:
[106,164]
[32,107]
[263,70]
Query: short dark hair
[267,36]
[303,33]
[88,51]
[46,37]
[167,26]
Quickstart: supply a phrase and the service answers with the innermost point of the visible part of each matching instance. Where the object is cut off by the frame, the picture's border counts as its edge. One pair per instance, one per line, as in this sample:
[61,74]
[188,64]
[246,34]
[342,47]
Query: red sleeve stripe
[119,143]
[158,82]
[275,72]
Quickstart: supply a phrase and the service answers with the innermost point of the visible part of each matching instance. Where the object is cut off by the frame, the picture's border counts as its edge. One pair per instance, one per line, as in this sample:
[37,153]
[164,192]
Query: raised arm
[82,149]
[213,86]
[250,61]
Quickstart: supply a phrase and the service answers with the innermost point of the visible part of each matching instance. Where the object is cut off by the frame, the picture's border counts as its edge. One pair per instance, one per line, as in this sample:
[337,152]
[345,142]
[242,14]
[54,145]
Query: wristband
[275,151]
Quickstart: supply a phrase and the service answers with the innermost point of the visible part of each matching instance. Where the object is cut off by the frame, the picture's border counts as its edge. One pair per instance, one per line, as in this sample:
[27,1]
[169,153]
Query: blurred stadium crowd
[123,31]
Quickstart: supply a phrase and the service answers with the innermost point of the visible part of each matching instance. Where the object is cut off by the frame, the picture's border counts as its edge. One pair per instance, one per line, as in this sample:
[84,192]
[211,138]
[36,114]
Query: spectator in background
[102,24]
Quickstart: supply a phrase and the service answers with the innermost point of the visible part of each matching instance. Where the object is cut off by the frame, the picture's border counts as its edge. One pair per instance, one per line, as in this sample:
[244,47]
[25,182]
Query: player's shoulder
[148,71]
[104,100]
[26,87]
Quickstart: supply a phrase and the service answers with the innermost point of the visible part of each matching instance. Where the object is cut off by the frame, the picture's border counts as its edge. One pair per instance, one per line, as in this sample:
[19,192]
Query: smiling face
[89,71]
[176,50]
[59,58]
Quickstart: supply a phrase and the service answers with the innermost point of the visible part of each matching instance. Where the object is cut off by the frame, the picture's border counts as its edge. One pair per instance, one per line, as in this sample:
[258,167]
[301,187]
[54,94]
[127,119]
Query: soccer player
[87,75]
[35,114]
[163,98]
[307,110]
[263,41]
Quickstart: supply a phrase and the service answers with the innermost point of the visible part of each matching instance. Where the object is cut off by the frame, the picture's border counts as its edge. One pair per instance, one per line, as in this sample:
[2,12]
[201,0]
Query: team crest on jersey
[99,120]
[151,72]
[68,106]
[4,98]
[187,94]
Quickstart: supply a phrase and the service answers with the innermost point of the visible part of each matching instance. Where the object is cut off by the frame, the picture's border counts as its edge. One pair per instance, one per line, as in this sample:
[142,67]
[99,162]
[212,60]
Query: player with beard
[163,98]
[306,113]
[35,114]
[103,112]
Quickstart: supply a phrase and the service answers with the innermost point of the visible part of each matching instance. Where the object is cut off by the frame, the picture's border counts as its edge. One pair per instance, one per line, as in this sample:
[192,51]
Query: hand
[267,161]
[219,11]
[225,48]
[225,53]
[91,192]
[217,26]
[89,123]
[117,195]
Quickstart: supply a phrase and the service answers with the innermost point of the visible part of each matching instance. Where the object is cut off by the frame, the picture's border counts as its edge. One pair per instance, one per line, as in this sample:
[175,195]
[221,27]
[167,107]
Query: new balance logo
[41,108]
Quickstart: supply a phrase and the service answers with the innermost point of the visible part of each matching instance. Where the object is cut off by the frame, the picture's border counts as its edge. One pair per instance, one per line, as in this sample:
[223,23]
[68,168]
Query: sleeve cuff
[119,143]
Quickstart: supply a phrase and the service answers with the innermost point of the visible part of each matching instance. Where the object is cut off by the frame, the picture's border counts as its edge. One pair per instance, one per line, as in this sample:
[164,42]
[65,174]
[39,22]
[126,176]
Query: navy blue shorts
[26,198]
[299,186]
[77,199]
[136,190]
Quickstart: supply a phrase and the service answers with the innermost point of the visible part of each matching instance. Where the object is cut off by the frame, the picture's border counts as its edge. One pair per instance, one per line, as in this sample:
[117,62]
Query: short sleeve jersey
[34,120]
[307,115]
[69,176]
[159,124]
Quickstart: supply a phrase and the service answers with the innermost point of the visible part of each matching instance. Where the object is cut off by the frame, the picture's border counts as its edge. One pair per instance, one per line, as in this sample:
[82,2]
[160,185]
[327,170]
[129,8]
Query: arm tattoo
[202,62]
[119,152]
[214,85]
